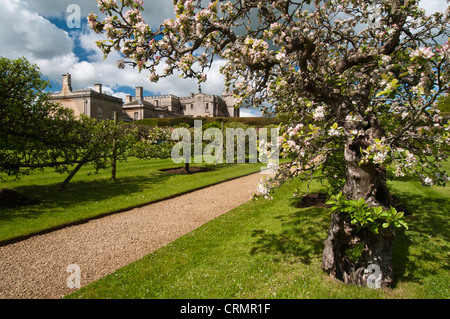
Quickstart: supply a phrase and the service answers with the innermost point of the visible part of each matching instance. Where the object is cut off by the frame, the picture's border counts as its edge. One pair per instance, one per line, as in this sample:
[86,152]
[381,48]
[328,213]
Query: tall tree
[31,126]
[355,81]
[36,133]
[100,143]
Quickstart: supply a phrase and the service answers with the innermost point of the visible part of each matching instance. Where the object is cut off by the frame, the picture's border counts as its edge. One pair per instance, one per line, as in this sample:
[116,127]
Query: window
[136,116]
[99,112]
[184,107]
[192,106]
[207,106]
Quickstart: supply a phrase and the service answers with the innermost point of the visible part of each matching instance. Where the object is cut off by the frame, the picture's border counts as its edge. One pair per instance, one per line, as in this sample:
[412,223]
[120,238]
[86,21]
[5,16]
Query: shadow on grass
[419,253]
[422,250]
[78,193]
[429,215]
[301,237]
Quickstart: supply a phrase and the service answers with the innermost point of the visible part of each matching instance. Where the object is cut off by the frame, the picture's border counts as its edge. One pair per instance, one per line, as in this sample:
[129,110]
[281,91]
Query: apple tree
[356,83]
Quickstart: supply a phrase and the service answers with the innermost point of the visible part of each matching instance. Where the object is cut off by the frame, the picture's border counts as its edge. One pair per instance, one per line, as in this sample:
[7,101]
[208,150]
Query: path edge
[18,239]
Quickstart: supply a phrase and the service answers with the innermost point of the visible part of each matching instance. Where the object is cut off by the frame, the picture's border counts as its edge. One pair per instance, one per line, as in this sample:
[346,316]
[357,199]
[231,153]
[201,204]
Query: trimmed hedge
[171,122]
[252,121]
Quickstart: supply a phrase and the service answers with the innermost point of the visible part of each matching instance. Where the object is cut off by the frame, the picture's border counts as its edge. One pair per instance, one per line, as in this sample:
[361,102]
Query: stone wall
[93,103]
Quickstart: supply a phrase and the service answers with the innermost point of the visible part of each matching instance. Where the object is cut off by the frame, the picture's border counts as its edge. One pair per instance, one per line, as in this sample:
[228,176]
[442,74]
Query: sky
[43,32]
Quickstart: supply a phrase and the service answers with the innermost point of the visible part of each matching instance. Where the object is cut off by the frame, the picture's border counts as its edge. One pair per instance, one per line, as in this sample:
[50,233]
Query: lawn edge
[18,239]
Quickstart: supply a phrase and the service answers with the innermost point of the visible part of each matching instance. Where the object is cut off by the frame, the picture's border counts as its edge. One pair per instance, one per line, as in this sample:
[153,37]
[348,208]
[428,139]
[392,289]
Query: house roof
[85,93]
[143,104]
[140,103]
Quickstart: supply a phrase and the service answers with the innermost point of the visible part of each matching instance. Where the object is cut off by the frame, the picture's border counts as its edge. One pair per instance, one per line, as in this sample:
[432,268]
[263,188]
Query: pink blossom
[423,52]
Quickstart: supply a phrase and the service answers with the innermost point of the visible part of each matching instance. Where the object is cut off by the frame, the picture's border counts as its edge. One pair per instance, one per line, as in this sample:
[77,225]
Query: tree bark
[377,253]
[63,185]
[366,181]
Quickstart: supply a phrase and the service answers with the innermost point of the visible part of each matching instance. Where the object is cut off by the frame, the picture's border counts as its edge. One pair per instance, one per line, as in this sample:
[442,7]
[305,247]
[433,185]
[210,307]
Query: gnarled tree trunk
[366,181]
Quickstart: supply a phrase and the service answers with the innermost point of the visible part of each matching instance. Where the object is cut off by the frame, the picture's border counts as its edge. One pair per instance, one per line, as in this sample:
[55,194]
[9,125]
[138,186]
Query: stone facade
[98,105]
[93,103]
[168,105]
[138,107]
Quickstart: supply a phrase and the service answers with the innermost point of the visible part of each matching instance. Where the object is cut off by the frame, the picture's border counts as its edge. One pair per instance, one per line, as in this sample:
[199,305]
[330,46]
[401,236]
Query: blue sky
[39,30]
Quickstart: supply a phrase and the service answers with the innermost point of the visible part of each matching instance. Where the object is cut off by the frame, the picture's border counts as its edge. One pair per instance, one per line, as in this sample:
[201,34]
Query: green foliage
[444,103]
[355,252]
[172,122]
[333,170]
[101,143]
[34,132]
[364,216]
[93,141]
[152,142]
[214,124]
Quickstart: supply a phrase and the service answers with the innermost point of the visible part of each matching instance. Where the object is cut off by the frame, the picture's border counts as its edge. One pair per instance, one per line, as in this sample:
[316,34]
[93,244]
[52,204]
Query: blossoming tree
[354,81]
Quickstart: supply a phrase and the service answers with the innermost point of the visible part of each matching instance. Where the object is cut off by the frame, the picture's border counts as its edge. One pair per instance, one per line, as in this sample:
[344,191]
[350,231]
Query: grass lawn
[89,195]
[272,249]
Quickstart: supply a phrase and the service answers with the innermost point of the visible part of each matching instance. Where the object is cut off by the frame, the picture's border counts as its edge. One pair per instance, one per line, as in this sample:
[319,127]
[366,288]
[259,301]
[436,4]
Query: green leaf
[383,93]
[384,214]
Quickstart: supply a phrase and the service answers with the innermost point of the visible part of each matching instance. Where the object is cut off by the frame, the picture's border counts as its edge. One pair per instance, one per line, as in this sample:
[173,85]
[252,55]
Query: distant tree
[355,82]
[100,143]
[151,142]
[36,133]
[33,130]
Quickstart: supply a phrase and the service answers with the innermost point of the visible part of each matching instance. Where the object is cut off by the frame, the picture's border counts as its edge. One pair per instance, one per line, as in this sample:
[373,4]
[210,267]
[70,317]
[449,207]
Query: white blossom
[428,181]
[319,113]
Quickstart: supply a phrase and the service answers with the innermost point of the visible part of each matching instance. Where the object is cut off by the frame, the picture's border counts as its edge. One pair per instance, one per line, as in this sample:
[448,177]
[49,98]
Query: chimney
[98,88]
[67,84]
[139,92]
[128,99]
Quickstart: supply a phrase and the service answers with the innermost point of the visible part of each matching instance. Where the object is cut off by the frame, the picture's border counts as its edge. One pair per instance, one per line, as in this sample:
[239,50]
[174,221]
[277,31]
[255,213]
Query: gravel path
[36,268]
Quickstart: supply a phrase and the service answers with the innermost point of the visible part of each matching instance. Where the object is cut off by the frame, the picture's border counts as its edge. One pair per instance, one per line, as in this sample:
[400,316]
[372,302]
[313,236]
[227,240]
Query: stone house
[138,107]
[96,104]
[93,103]
[168,105]
[204,105]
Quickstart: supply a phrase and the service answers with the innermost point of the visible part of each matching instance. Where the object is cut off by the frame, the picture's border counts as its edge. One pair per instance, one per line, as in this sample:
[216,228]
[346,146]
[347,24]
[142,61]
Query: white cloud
[32,35]
[155,11]
[25,33]
[250,112]
[96,69]
[59,9]
[433,6]
[53,68]
[109,91]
